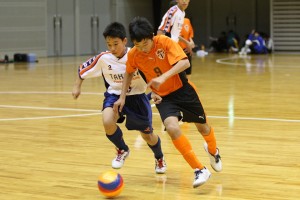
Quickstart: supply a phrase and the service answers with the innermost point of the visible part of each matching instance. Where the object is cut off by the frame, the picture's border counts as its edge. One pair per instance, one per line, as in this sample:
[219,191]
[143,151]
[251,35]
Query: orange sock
[211,141]
[183,145]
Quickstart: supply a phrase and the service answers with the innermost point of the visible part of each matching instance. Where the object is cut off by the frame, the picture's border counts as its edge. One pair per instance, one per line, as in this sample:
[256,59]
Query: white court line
[37,92]
[226,61]
[257,119]
[222,61]
[47,108]
[99,112]
[50,117]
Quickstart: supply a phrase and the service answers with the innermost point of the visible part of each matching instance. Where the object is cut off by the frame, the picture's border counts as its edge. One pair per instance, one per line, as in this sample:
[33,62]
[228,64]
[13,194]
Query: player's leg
[194,112]
[170,110]
[154,144]
[139,117]
[210,145]
[113,131]
[184,146]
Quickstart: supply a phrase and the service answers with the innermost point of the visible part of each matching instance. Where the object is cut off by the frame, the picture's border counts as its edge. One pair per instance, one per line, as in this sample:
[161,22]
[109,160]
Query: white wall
[23,27]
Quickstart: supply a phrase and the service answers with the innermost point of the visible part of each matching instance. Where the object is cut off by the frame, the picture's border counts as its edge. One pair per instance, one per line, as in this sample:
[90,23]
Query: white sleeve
[91,68]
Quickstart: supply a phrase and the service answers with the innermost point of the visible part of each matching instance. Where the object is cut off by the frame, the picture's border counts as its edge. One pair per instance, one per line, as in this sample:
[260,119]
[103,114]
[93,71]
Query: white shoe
[201,176]
[160,166]
[118,162]
[215,160]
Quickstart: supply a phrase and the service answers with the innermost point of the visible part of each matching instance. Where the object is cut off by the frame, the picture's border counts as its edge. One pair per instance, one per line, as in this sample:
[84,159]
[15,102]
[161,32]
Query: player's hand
[156,82]
[76,91]
[118,105]
[156,98]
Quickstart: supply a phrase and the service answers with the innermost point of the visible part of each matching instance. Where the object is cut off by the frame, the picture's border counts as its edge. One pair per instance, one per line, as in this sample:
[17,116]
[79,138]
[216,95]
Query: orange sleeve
[175,52]
[130,65]
[191,30]
[187,32]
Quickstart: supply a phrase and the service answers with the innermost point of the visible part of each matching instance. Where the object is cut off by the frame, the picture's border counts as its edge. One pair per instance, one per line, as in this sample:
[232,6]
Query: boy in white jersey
[111,65]
[172,22]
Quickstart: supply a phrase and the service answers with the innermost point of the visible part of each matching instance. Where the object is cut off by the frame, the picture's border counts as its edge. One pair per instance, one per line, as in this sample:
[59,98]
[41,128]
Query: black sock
[157,149]
[117,139]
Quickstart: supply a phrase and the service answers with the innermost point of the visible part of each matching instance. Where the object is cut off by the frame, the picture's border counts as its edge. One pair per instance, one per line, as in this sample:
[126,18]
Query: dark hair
[115,29]
[140,28]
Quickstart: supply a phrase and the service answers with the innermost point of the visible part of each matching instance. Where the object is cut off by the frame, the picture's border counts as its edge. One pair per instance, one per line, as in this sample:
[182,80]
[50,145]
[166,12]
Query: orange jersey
[187,32]
[164,54]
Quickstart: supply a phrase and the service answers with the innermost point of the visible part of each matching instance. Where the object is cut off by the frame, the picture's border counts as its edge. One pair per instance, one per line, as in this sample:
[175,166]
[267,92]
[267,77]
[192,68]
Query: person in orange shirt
[187,34]
[162,61]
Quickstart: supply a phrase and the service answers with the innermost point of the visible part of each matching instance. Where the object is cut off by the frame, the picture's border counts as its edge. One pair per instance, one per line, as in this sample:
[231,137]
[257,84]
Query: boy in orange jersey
[163,61]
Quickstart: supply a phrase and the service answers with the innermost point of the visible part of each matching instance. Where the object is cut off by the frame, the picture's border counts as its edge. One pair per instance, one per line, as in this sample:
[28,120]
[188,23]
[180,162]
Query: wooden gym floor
[53,147]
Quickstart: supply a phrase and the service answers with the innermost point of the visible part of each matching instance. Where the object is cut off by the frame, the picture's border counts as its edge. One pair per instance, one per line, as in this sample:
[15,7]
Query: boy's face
[183,4]
[144,46]
[116,46]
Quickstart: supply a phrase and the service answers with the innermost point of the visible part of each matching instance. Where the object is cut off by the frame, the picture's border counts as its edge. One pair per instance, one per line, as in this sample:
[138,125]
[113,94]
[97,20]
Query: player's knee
[150,138]
[173,129]
[204,129]
[109,125]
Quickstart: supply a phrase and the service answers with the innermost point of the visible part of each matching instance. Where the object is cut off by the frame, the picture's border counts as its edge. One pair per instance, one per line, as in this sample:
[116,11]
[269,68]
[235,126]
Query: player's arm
[77,87]
[176,69]
[180,66]
[119,104]
[190,44]
[89,69]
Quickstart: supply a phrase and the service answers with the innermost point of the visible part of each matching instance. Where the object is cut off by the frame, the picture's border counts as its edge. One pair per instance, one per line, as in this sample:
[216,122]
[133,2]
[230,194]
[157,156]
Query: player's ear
[125,41]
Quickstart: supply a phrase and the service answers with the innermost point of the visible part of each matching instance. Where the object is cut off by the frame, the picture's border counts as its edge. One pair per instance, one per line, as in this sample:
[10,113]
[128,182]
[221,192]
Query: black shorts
[188,71]
[184,103]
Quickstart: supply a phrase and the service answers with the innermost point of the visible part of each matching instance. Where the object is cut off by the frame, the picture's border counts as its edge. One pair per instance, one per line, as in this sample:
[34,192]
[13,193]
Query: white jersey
[172,22]
[112,69]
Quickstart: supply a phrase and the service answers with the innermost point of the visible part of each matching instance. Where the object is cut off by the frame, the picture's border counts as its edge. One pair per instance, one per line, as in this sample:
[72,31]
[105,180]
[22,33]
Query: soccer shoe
[215,160]
[201,176]
[118,162]
[160,166]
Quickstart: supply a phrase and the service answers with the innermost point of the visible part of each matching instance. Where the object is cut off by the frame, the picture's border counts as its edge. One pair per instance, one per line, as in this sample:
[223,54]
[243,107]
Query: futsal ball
[110,184]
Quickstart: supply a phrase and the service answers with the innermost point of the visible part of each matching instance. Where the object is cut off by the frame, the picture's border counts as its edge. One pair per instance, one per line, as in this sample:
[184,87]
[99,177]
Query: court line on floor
[99,112]
[47,108]
[49,117]
[227,61]
[38,92]
[256,118]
